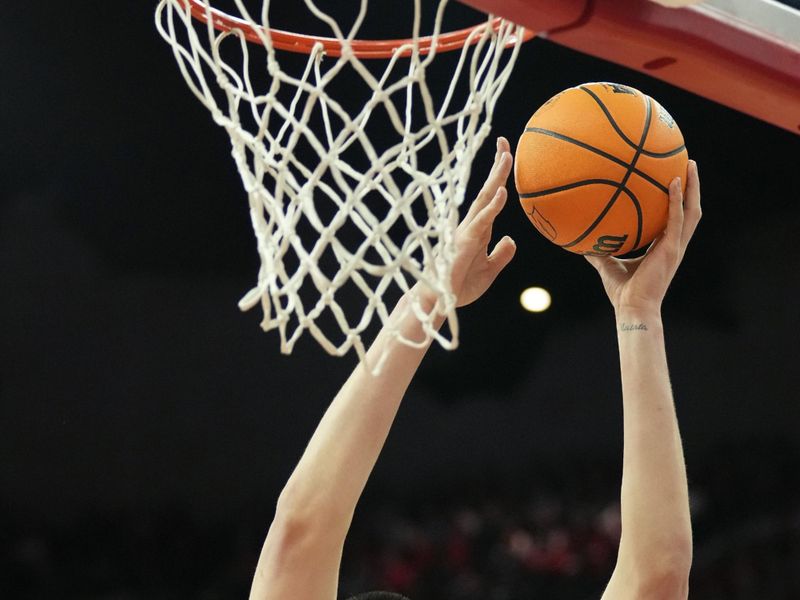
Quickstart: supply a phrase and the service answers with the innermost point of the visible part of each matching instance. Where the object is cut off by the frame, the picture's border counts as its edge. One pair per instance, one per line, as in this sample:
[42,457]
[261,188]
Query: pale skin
[302,552]
[655,552]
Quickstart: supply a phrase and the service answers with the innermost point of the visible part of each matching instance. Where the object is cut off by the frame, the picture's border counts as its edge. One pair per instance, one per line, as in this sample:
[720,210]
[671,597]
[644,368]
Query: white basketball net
[342,219]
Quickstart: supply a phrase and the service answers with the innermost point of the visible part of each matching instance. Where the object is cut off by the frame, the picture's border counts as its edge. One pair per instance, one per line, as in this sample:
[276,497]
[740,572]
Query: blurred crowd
[551,542]
[551,536]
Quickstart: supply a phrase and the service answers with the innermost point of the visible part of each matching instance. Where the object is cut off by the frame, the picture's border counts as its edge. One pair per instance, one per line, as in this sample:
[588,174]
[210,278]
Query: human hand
[639,284]
[474,268]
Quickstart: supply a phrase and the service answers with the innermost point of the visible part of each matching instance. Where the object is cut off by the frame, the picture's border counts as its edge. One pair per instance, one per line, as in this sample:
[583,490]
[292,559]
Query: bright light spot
[535,299]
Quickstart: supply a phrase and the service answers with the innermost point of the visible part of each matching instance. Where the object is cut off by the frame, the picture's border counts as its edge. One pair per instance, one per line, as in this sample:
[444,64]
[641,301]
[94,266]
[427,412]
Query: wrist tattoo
[632,327]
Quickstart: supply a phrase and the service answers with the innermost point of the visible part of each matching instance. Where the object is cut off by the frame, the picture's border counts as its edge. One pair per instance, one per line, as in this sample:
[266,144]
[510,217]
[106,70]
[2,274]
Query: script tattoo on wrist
[632,327]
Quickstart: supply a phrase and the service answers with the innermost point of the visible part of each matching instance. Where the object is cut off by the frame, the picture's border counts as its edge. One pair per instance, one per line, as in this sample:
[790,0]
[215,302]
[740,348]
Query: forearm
[331,475]
[655,504]
[302,552]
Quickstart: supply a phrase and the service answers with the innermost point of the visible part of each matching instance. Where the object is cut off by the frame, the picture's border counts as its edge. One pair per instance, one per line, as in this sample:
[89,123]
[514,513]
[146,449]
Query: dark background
[141,412]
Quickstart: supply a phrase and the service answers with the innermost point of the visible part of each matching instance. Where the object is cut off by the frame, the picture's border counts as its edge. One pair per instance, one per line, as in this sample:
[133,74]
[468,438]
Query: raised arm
[655,551]
[302,553]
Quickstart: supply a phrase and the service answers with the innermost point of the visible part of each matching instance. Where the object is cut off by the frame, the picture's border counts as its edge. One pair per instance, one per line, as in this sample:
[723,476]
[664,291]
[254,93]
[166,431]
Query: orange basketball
[593,168]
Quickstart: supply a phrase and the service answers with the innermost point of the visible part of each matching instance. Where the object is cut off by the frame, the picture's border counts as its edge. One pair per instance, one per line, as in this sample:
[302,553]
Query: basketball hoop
[345,201]
[304,44]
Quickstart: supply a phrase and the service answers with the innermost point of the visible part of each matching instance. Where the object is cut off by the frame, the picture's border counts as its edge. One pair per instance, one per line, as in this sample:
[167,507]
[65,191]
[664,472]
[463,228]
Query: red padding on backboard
[688,47]
[536,16]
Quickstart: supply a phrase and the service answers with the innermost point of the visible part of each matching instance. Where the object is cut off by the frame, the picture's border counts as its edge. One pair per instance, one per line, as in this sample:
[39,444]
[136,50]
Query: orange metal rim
[304,44]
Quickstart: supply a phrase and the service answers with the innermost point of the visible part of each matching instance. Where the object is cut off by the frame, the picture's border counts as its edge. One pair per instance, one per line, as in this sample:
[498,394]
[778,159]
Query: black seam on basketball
[624,137]
[621,186]
[533,212]
[633,166]
[677,150]
[533,215]
[636,204]
[607,113]
[638,208]
[601,216]
[590,148]
[568,186]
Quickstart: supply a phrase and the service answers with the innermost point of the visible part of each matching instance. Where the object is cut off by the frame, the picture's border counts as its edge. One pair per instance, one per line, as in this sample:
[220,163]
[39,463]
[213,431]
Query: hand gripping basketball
[639,284]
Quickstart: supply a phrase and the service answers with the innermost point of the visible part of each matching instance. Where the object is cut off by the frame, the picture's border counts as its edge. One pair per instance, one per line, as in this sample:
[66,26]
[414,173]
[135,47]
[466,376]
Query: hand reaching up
[474,268]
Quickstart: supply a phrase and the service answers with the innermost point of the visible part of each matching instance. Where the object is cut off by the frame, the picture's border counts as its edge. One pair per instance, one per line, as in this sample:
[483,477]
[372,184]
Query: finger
[654,244]
[480,199]
[503,145]
[600,263]
[671,238]
[692,210]
[501,255]
[485,218]
[497,177]
[497,153]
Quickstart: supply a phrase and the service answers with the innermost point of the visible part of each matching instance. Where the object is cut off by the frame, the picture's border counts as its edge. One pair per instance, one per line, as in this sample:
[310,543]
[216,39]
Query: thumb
[598,262]
[502,254]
